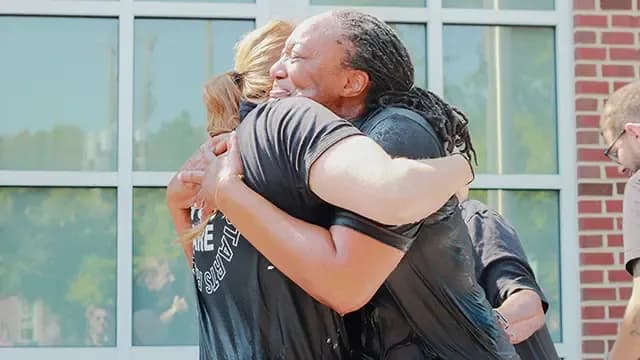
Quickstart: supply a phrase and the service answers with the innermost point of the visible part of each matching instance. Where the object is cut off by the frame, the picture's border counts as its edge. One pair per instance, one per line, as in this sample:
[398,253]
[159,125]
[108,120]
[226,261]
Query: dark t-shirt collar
[245,108]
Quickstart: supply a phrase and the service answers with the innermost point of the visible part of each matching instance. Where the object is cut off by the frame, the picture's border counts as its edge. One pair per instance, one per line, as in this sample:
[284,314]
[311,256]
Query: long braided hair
[376,49]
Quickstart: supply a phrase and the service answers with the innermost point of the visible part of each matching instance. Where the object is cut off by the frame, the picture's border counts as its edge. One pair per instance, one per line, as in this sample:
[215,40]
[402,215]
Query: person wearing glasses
[620,127]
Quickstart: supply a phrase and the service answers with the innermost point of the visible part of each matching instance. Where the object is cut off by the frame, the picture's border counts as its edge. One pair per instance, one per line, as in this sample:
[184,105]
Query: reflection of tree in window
[507,87]
[163,298]
[65,259]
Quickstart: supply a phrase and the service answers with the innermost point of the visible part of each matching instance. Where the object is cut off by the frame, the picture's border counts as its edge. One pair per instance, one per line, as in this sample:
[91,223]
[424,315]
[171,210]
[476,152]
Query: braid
[375,48]
[451,124]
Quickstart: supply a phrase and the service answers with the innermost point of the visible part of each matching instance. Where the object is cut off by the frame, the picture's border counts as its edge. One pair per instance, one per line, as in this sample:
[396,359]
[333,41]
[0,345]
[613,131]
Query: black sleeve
[506,277]
[399,136]
[501,264]
[301,130]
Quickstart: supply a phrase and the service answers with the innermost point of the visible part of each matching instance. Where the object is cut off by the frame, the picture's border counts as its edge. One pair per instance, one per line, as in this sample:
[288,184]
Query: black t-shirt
[502,270]
[247,308]
[430,307]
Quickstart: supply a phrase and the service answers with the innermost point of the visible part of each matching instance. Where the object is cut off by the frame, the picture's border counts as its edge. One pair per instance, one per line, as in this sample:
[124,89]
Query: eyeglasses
[612,151]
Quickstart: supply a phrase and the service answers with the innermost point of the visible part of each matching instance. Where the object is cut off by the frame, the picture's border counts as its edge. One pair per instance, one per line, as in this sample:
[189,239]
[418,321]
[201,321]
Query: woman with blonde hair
[249,81]
[228,98]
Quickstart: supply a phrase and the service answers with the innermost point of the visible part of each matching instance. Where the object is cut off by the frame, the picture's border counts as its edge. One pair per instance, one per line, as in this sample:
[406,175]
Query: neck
[350,111]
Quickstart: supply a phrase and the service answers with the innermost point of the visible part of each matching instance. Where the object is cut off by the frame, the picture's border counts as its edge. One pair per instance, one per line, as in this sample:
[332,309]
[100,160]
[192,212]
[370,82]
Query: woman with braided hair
[409,287]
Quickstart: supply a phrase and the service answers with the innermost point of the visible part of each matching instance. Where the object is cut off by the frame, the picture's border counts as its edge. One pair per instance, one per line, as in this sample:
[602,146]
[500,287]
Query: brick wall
[607,54]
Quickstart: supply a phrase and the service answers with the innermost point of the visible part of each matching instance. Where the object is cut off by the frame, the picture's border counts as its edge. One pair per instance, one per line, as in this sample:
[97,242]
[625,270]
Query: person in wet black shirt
[429,306]
[247,308]
[504,273]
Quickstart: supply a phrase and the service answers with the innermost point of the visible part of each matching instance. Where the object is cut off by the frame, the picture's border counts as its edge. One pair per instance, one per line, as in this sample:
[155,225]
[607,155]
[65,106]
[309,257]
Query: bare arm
[334,266]
[627,345]
[358,175]
[524,312]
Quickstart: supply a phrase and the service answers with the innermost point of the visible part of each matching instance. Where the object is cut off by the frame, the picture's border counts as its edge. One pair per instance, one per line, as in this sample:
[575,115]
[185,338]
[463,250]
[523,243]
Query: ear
[357,83]
[633,129]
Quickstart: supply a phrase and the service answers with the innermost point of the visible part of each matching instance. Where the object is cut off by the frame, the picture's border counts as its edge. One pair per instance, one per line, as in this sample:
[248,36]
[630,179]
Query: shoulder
[472,209]
[403,133]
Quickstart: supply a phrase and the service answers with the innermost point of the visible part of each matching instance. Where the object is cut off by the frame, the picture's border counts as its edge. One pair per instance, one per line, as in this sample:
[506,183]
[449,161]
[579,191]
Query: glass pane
[535,216]
[503,78]
[57,267]
[501,4]
[412,3]
[58,93]
[164,307]
[173,59]
[414,37]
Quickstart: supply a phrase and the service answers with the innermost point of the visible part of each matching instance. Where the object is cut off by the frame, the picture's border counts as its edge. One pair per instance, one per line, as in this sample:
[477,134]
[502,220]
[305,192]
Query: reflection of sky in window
[184,55]
[464,56]
[414,36]
[55,71]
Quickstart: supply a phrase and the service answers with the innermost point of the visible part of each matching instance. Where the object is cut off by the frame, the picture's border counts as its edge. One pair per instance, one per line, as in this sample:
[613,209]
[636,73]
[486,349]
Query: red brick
[618,70]
[625,21]
[596,223]
[599,329]
[595,189]
[584,37]
[593,346]
[620,188]
[588,121]
[592,87]
[584,4]
[624,54]
[617,37]
[618,221]
[618,276]
[593,312]
[591,276]
[598,294]
[583,104]
[588,172]
[614,240]
[616,311]
[621,257]
[586,70]
[613,172]
[618,84]
[590,241]
[583,53]
[596,258]
[624,293]
[610,343]
[588,138]
[614,206]
[615,4]
[590,206]
[591,155]
[590,21]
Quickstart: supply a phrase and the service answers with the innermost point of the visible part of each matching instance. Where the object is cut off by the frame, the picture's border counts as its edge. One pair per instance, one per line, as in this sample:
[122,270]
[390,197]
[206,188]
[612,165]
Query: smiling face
[312,65]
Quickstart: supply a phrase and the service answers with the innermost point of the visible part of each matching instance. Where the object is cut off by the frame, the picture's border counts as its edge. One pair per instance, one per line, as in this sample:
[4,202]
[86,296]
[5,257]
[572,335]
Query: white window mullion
[435,58]
[58,178]
[569,247]
[125,184]
[502,17]
[193,10]
[60,8]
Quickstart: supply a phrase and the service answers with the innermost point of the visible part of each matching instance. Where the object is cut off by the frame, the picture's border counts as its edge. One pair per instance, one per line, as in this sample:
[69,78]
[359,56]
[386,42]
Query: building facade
[101,100]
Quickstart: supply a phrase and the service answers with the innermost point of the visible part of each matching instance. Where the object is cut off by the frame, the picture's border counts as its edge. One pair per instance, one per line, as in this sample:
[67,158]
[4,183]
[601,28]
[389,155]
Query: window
[58,99]
[101,101]
[58,286]
[173,59]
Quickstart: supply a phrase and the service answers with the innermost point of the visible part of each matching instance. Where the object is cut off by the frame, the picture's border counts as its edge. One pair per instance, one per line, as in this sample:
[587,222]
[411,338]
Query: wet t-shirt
[502,269]
[431,306]
[247,308]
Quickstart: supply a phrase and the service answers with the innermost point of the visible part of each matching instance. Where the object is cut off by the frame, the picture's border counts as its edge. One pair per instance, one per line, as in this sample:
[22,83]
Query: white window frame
[125,179]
